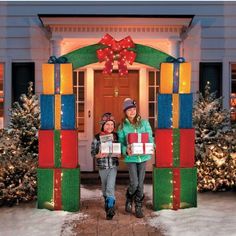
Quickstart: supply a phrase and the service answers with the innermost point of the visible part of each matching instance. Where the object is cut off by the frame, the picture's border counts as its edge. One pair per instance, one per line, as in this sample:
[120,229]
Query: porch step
[122,177]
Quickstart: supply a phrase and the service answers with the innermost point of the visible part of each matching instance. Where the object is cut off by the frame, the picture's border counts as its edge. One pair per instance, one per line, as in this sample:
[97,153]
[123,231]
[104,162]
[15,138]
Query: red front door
[109,94]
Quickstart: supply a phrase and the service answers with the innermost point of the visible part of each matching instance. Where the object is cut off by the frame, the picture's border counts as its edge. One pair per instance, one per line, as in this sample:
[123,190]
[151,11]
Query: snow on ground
[214,216]
[27,220]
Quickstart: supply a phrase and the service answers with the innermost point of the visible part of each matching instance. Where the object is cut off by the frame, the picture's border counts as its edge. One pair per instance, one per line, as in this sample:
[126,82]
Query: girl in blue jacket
[132,123]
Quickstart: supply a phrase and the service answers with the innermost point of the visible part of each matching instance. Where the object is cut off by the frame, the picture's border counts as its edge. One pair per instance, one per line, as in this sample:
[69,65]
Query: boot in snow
[129,202]
[138,206]
[110,208]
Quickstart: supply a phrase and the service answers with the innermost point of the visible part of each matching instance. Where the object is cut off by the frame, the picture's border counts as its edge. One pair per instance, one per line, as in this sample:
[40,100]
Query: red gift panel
[138,138]
[46,148]
[69,147]
[187,144]
[176,188]
[164,147]
[57,189]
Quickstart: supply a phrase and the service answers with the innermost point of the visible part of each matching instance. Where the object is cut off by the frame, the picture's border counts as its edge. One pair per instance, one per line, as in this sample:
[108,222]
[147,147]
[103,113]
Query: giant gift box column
[174,174]
[58,173]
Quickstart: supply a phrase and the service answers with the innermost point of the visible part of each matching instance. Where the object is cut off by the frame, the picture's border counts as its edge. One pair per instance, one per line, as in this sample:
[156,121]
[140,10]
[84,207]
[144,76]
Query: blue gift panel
[164,110]
[185,110]
[47,111]
[68,112]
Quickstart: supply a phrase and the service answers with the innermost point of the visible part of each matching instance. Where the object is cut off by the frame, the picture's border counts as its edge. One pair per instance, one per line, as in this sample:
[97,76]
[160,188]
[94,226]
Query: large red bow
[116,50]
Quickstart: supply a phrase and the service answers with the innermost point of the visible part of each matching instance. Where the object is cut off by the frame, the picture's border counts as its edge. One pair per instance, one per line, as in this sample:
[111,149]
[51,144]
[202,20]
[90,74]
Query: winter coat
[107,162]
[122,137]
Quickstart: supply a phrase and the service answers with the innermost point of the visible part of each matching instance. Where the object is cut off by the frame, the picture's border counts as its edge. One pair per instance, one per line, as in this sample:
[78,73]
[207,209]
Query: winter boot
[110,208]
[138,206]
[129,202]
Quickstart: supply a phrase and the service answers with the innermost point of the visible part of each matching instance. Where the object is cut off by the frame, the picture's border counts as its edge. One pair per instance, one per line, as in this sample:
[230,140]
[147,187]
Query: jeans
[136,177]
[108,179]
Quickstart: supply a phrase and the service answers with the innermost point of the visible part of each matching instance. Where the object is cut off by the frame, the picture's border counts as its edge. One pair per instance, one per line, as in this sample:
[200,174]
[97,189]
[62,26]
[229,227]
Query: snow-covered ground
[215,215]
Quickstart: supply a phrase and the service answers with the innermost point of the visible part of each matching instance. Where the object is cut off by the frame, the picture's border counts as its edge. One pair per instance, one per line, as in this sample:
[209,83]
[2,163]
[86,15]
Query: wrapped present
[175,147]
[111,148]
[116,148]
[174,110]
[58,189]
[58,148]
[106,138]
[136,148]
[57,78]
[174,188]
[138,138]
[149,148]
[141,148]
[57,111]
[175,77]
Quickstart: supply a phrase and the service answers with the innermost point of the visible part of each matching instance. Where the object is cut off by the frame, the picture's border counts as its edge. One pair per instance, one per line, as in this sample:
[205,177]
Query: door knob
[116,92]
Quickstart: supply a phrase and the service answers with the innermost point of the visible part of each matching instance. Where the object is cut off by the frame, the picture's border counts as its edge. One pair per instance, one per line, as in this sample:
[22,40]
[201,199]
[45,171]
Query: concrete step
[122,177]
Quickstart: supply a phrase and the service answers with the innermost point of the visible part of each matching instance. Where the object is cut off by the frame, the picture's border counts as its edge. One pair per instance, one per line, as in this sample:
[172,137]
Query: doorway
[109,94]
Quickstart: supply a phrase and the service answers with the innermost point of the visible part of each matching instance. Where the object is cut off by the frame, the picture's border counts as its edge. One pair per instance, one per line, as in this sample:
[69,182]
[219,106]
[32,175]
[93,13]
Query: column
[56,46]
[175,45]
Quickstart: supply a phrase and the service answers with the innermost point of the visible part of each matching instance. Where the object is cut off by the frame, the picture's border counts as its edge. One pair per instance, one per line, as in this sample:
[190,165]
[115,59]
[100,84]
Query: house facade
[203,33]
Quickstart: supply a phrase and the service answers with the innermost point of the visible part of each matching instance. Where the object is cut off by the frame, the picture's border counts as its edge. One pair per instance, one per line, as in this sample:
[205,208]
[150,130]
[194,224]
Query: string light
[116,50]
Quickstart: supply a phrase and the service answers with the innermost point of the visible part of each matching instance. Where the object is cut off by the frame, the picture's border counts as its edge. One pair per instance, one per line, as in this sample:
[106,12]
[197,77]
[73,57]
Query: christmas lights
[119,51]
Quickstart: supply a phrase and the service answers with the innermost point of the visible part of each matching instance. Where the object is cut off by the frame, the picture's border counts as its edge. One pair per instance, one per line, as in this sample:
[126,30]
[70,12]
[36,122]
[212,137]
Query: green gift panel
[188,190]
[174,188]
[162,188]
[59,189]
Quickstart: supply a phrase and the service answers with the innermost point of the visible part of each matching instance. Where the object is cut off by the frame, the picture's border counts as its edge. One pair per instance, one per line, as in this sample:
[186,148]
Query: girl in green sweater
[132,123]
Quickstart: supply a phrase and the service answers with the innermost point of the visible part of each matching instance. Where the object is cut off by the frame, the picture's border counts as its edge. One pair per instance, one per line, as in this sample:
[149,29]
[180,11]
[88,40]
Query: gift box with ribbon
[138,138]
[139,143]
[59,189]
[174,110]
[174,188]
[57,77]
[175,76]
[111,148]
[58,148]
[175,147]
[57,111]
[142,148]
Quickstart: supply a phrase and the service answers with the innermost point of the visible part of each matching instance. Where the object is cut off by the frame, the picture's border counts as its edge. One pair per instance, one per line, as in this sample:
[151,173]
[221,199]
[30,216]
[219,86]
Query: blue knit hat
[128,103]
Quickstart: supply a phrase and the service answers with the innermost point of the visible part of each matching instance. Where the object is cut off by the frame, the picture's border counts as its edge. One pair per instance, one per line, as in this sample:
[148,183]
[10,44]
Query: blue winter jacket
[122,138]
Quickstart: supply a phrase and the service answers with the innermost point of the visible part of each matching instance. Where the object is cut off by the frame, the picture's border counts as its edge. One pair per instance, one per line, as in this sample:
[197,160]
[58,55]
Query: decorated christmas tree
[19,151]
[215,144]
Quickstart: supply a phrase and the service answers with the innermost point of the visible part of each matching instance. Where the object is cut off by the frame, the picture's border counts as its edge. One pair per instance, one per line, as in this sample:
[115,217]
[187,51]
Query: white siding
[23,38]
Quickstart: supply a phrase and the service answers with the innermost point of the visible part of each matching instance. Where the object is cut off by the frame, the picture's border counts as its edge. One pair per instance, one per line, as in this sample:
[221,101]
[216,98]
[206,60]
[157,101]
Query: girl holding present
[132,123]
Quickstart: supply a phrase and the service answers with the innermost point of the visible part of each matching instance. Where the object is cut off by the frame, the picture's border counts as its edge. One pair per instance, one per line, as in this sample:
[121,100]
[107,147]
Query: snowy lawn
[215,215]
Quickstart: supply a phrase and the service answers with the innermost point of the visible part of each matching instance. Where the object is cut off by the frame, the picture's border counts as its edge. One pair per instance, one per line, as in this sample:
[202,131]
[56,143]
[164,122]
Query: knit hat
[105,118]
[128,103]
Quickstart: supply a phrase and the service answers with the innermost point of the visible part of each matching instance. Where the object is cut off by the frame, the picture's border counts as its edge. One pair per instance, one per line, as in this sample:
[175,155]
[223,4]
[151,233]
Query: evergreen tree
[215,143]
[19,151]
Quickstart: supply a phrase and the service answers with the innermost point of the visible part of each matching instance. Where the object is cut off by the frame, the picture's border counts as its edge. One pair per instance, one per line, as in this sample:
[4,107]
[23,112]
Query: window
[153,87]
[1,95]
[233,93]
[79,90]
[22,74]
[212,72]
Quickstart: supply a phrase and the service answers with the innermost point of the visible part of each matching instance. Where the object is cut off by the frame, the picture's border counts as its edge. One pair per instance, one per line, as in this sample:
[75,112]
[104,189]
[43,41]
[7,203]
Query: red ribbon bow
[116,50]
